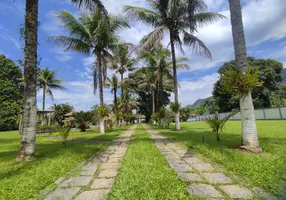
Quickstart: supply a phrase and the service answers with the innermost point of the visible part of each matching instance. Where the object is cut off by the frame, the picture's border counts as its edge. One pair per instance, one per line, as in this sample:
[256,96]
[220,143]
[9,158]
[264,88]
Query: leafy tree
[11,94]
[249,130]
[47,81]
[173,17]
[60,110]
[270,75]
[64,132]
[91,33]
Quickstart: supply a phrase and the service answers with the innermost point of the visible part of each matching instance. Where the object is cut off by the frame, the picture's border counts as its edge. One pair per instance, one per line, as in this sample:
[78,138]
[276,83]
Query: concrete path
[97,175]
[204,180]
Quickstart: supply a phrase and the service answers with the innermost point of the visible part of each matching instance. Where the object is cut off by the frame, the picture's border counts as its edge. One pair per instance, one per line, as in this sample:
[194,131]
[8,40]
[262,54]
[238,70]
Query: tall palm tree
[249,130]
[47,81]
[91,33]
[122,62]
[114,85]
[27,145]
[172,16]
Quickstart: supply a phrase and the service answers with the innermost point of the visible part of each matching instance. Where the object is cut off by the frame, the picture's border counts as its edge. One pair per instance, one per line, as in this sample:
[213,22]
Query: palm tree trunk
[122,90]
[153,101]
[115,106]
[44,97]
[249,130]
[100,85]
[176,94]
[27,145]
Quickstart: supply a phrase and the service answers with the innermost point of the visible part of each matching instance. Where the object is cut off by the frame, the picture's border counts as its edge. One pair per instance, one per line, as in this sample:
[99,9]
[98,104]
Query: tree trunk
[27,145]
[153,101]
[115,107]
[249,131]
[176,94]
[122,90]
[44,97]
[100,85]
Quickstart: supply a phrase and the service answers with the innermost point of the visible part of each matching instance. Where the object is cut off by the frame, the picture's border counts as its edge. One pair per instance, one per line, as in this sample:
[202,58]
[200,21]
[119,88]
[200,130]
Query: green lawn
[145,174]
[27,180]
[267,170]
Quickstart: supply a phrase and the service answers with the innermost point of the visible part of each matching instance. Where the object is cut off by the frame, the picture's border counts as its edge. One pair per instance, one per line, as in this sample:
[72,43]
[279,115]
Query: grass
[95,134]
[26,180]
[145,174]
[266,170]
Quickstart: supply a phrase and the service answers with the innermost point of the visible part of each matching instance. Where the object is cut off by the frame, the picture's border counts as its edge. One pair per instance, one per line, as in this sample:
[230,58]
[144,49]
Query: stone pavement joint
[96,176]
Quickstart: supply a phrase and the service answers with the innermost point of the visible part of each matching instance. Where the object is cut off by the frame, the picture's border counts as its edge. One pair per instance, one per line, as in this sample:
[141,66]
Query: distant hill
[197,102]
[283,73]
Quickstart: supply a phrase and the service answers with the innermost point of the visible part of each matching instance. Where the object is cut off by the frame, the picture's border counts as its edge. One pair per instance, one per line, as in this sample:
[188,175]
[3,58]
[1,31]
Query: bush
[46,129]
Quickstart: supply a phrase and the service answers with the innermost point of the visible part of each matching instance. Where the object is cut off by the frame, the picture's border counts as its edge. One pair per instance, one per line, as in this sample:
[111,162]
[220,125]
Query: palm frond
[205,18]
[146,16]
[196,44]
[152,38]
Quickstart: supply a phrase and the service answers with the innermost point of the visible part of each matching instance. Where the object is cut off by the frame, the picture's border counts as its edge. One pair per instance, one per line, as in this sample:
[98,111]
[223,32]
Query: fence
[260,114]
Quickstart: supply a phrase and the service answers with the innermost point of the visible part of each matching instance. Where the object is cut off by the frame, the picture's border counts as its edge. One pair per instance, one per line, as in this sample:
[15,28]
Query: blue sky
[265,29]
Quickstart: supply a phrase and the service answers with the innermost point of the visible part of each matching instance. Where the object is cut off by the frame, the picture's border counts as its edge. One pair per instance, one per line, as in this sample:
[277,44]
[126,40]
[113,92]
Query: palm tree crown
[47,81]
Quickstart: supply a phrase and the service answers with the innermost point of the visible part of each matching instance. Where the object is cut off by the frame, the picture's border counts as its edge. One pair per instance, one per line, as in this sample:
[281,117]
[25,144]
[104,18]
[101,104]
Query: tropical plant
[11,94]
[92,33]
[27,145]
[47,81]
[122,62]
[82,119]
[64,132]
[114,85]
[249,130]
[173,17]
[217,125]
[60,110]
[126,106]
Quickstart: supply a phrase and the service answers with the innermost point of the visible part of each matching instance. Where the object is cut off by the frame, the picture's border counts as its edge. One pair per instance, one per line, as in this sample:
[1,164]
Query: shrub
[46,129]
[64,132]
[175,107]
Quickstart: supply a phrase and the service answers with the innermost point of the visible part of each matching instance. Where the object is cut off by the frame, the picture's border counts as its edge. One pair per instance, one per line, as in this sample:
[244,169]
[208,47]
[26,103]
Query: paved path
[204,180]
[97,175]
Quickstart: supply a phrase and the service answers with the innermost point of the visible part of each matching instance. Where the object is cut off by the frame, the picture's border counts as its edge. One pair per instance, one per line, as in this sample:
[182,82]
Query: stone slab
[181,167]
[202,167]
[63,193]
[237,191]
[204,190]
[217,178]
[193,160]
[102,183]
[60,180]
[107,173]
[93,195]
[109,166]
[191,177]
[89,169]
[114,160]
[77,181]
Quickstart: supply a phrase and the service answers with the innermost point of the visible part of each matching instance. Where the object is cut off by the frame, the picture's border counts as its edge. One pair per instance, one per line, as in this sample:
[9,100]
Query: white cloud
[190,91]
[62,56]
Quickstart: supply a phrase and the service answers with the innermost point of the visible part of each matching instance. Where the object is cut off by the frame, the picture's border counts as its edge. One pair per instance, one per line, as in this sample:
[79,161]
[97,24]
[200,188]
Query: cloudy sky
[265,29]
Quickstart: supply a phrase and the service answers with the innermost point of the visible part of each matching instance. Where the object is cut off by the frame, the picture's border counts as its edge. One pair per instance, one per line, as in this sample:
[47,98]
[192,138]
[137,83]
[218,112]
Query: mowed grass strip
[145,174]
[266,170]
[26,180]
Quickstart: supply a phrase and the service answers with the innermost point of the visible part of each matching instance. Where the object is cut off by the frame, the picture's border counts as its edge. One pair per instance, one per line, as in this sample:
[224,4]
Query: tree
[47,81]
[270,75]
[114,85]
[91,33]
[82,119]
[122,62]
[60,110]
[126,106]
[11,94]
[27,145]
[173,17]
[249,130]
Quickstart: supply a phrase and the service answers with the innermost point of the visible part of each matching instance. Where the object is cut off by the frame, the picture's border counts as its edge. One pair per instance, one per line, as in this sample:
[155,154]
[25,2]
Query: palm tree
[91,33]
[122,62]
[82,119]
[27,145]
[114,84]
[172,16]
[47,81]
[126,106]
[249,130]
